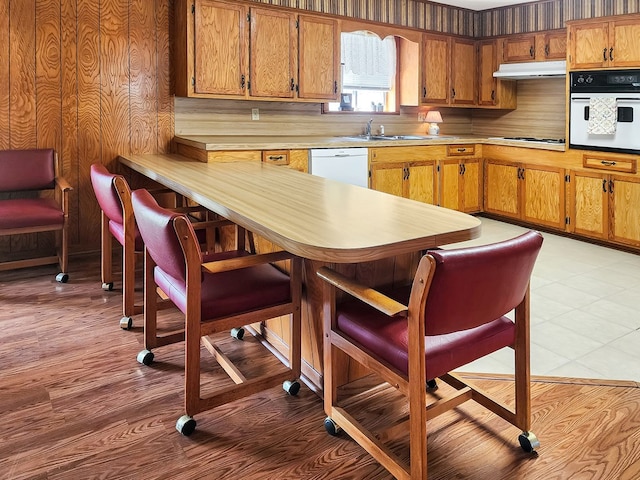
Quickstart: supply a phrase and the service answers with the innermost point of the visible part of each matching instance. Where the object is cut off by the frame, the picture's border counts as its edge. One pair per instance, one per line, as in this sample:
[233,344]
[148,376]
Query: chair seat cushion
[30,212]
[232,292]
[388,338]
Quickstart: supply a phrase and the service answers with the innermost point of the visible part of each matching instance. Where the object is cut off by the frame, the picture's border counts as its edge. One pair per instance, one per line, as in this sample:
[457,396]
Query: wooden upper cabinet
[319,57]
[493,92]
[435,69]
[601,43]
[551,45]
[272,54]
[463,77]
[535,47]
[519,48]
[221,41]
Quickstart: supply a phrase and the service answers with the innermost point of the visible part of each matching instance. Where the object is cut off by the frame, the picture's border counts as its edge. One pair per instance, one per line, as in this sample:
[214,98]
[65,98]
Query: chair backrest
[156,225]
[476,285]
[27,170]
[106,193]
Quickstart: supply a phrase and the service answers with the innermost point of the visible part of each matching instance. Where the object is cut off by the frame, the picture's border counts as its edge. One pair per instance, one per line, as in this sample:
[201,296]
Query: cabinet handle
[531,51]
[293,85]
[611,54]
[546,50]
[275,157]
[243,81]
[609,164]
[424,92]
[493,94]
[335,87]
[604,186]
[460,169]
[461,150]
[604,54]
[464,168]
[610,186]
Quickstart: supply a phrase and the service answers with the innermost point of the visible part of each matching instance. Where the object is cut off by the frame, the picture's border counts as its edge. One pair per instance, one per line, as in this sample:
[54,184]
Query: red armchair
[453,314]
[35,171]
[215,292]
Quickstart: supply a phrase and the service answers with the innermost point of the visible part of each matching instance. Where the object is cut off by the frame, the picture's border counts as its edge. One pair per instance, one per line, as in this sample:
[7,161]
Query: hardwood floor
[75,404]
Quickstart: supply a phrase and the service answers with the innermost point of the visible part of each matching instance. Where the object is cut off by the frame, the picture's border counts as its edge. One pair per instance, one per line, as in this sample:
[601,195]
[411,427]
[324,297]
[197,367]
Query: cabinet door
[589,204]
[450,184]
[220,48]
[625,198]
[388,178]
[472,185]
[519,48]
[272,54]
[421,180]
[624,40]
[543,199]
[487,64]
[319,56]
[435,70]
[501,193]
[593,41]
[463,68]
[552,46]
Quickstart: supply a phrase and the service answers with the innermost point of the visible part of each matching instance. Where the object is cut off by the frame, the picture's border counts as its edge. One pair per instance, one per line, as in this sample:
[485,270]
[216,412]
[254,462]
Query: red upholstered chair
[114,197]
[29,173]
[452,314]
[215,292]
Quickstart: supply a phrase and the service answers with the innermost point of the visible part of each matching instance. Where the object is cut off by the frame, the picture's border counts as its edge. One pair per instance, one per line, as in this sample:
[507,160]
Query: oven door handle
[633,99]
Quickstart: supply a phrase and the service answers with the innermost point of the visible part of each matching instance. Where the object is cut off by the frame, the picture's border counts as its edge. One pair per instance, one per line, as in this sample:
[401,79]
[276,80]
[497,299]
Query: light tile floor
[585,310]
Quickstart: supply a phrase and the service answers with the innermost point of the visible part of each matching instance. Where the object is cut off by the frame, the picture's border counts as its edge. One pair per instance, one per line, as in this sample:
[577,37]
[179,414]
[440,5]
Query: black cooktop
[534,139]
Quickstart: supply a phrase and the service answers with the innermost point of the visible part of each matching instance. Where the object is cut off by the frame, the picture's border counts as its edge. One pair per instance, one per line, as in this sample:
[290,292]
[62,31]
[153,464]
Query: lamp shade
[433,116]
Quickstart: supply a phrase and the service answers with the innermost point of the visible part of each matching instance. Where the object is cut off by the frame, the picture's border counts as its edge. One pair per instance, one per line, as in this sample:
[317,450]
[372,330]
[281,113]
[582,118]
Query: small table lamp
[433,118]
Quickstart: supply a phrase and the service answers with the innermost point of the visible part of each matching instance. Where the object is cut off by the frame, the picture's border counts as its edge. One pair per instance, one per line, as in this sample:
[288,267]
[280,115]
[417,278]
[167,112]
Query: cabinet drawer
[613,164]
[459,150]
[276,157]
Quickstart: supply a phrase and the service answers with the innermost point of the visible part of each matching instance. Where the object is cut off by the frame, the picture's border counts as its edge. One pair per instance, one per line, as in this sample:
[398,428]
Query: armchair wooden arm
[368,295]
[63,185]
[246,261]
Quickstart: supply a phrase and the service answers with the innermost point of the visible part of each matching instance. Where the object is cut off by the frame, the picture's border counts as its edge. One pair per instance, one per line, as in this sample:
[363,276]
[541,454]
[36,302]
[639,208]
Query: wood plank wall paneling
[92,79]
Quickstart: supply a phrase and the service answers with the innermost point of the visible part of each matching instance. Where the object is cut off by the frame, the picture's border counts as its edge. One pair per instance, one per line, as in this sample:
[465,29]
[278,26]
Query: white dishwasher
[348,165]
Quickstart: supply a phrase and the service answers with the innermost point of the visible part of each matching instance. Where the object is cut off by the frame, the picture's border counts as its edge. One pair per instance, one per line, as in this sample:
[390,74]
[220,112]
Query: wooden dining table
[368,233]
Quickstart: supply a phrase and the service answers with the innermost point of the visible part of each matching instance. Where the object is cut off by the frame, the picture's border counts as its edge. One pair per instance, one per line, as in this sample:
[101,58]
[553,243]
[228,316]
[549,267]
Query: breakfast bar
[370,235]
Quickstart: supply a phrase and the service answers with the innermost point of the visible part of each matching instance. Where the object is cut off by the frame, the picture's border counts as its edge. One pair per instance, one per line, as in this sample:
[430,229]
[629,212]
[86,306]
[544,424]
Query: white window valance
[367,61]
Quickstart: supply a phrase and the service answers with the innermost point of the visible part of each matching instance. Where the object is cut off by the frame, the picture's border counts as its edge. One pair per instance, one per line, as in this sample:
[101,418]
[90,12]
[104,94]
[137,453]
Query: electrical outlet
[421,116]
[255,114]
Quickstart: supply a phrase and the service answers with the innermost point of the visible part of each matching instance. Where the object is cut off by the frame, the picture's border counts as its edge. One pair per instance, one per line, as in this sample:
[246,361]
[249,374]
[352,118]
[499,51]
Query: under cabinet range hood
[529,70]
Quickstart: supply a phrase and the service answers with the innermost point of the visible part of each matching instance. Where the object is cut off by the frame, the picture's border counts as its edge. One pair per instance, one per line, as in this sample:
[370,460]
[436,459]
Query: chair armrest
[368,295]
[246,261]
[211,224]
[63,185]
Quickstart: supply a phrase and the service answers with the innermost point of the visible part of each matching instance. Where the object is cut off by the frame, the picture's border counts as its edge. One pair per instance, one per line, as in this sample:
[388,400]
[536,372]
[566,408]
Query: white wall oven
[604,110]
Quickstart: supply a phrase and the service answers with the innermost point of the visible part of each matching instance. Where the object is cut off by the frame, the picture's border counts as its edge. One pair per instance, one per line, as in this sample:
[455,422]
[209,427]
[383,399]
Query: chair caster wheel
[432,384]
[331,427]
[528,441]
[237,333]
[292,388]
[107,286]
[126,323]
[186,425]
[145,357]
[62,277]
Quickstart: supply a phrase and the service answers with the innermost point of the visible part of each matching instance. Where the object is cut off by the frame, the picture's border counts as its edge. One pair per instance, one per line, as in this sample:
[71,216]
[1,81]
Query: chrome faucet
[367,128]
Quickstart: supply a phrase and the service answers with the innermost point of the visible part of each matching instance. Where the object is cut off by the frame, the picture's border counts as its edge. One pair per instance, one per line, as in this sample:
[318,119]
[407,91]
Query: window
[368,73]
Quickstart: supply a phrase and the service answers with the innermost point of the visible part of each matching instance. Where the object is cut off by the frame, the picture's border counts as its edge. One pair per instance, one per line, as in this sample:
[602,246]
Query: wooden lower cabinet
[531,193]
[605,206]
[460,184]
[413,180]
[408,172]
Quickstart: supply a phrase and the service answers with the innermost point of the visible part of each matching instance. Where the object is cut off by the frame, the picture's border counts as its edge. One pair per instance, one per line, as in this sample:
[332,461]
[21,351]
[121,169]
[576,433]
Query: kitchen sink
[398,137]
